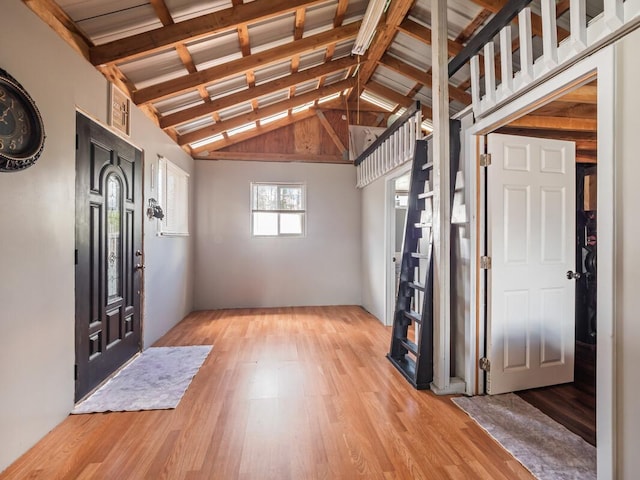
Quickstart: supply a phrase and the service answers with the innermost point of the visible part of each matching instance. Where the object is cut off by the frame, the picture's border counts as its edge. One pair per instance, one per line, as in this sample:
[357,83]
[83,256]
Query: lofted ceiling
[215,73]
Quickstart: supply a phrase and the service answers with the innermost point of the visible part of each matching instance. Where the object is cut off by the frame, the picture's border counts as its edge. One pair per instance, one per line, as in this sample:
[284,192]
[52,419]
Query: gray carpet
[543,446]
[155,380]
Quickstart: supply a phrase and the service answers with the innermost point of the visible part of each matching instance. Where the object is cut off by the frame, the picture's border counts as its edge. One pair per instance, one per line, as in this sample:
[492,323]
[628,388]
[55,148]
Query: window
[278,210]
[173,192]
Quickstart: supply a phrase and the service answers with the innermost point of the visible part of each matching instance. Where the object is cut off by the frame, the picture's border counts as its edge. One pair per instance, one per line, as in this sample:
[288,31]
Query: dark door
[108,253]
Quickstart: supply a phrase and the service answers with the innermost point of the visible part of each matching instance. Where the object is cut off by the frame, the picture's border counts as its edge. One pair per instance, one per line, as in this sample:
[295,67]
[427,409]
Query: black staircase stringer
[414,301]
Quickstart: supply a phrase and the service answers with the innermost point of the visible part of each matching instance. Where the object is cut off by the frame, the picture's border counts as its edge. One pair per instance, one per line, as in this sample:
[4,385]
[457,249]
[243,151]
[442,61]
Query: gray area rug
[155,380]
[546,448]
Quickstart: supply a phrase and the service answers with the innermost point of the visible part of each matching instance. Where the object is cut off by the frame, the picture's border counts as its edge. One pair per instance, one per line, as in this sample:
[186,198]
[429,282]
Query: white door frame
[390,240]
[600,65]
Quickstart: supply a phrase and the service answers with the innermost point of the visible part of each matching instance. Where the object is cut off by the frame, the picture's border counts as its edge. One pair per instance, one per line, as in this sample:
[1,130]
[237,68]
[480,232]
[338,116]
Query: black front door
[108,253]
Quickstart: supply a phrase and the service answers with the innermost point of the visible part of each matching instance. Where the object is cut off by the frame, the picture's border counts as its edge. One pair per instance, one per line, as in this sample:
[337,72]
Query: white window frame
[173,196]
[303,211]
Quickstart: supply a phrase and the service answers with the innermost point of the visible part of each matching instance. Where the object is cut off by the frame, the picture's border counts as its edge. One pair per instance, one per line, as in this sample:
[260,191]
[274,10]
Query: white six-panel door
[531,242]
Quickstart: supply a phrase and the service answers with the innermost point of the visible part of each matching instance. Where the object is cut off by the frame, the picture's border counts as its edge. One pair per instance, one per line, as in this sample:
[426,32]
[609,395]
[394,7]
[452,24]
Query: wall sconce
[154,210]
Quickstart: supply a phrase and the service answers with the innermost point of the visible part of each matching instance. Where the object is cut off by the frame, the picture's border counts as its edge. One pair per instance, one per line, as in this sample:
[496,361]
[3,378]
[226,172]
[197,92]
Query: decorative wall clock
[21,129]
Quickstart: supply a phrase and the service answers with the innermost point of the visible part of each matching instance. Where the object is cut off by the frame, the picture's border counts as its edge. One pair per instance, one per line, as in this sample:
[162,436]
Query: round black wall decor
[21,129]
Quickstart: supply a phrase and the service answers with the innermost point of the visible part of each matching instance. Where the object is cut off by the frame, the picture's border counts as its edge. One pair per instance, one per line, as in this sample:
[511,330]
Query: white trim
[389,239]
[603,65]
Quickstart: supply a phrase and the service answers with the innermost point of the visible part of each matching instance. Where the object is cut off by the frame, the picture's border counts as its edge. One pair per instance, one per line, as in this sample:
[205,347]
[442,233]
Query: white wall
[235,270]
[627,254]
[373,248]
[37,237]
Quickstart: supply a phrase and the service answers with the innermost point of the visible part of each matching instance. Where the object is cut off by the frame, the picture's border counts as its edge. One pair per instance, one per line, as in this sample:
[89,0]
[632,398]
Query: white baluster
[489,73]
[526,50]
[549,33]
[506,60]
[475,84]
[578,15]
[613,13]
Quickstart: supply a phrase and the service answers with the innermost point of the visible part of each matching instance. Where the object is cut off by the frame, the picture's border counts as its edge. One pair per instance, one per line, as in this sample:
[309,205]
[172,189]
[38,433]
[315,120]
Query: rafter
[473,26]
[51,13]
[160,7]
[239,66]
[268,111]
[423,34]
[206,25]
[255,92]
[536,21]
[262,129]
[396,97]
[424,78]
[396,13]
[341,10]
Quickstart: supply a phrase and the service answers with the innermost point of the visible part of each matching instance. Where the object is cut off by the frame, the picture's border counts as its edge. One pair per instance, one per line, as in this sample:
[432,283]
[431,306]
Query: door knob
[573,275]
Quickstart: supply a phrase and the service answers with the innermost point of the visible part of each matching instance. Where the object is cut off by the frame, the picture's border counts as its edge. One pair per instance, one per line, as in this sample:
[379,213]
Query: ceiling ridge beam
[262,113]
[198,111]
[167,36]
[235,67]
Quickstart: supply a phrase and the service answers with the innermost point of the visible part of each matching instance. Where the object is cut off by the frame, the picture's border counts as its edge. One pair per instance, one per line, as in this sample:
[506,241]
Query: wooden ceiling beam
[262,113]
[536,21]
[272,157]
[396,97]
[262,129]
[160,7]
[241,65]
[539,122]
[341,10]
[386,32]
[585,94]
[423,34]
[255,92]
[470,30]
[424,78]
[206,25]
[51,13]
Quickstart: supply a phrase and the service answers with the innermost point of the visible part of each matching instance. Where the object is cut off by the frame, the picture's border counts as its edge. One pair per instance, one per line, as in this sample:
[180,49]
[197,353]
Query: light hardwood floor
[287,393]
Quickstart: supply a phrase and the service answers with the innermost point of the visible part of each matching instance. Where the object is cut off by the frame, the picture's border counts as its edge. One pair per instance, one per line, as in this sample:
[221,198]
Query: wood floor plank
[287,393]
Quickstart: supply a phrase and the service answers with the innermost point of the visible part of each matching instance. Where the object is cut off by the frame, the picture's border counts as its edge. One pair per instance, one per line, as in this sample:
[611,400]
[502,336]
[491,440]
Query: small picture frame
[119,110]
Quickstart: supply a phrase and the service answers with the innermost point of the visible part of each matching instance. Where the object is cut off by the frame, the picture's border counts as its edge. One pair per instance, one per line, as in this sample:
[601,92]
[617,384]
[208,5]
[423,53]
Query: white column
[441,205]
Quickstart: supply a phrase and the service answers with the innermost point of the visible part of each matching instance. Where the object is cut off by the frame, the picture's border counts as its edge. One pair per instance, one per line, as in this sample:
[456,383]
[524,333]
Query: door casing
[108,330]
[600,65]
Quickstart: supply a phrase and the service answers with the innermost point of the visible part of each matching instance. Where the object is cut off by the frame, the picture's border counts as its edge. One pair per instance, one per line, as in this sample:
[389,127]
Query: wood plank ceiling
[214,73]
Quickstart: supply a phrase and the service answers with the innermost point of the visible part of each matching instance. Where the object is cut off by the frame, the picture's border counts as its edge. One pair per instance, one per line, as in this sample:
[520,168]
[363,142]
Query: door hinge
[485,262]
[76,256]
[75,372]
[485,159]
[484,364]
[77,141]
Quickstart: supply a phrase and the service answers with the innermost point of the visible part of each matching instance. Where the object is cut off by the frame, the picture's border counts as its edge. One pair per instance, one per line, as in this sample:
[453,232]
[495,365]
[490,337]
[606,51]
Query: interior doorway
[573,117]
[397,196]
